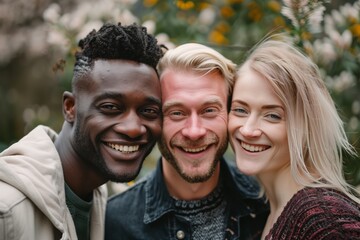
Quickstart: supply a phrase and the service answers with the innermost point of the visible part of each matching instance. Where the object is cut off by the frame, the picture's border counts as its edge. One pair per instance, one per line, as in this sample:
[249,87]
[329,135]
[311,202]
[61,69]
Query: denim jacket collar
[157,198]
[159,202]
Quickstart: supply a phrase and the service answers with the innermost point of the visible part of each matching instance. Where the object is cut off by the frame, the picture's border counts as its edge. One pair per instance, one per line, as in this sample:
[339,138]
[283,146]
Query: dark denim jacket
[146,210]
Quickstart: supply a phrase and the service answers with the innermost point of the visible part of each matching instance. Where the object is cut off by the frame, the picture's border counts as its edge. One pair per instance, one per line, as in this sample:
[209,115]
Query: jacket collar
[157,198]
[158,201]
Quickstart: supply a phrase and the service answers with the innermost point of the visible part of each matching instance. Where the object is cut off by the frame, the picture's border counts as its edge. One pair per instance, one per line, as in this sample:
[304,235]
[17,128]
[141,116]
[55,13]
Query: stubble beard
[91,156]
[167,154]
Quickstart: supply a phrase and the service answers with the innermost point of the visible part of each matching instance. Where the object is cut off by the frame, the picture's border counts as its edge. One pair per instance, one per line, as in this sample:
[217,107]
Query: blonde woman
[285,130]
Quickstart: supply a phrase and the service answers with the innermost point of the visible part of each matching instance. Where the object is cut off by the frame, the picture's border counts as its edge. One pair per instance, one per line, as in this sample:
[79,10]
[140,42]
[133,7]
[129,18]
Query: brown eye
[110,108]
[151,112]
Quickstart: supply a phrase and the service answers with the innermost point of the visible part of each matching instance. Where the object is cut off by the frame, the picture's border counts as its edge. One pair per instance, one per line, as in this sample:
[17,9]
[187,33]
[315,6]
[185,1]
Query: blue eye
[239,111]
[210,112]
[273,117]
[176,115]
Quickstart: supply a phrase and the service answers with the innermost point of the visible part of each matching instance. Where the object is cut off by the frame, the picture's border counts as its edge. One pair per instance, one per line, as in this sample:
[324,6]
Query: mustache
[185,142]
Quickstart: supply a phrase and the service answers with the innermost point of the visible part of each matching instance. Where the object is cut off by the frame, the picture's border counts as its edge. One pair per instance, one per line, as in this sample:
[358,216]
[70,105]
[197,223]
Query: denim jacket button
[180,234]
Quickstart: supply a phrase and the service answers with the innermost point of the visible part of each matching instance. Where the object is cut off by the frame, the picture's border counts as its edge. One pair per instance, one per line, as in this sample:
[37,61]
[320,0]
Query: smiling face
[195,123]
[118,117]
[257,126]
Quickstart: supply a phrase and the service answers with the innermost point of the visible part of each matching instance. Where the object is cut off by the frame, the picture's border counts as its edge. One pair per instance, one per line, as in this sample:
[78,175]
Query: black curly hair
[114,41]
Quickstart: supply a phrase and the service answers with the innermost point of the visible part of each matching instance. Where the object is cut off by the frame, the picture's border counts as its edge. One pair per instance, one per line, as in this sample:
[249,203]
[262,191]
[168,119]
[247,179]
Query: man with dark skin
[52,186]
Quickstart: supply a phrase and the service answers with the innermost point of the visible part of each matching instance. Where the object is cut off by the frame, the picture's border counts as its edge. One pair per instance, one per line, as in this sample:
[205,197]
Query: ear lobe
[69,107]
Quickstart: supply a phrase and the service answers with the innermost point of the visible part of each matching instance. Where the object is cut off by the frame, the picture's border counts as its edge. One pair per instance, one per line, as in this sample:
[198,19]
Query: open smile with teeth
[194,150]
[124,148]
[253,148]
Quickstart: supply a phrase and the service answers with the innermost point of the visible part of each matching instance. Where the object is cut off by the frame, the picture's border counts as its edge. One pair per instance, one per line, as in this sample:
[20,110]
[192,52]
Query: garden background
[38,39]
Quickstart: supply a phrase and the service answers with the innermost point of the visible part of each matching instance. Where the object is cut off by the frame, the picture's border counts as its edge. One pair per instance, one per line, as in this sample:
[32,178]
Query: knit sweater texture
[318,213]
[205,215]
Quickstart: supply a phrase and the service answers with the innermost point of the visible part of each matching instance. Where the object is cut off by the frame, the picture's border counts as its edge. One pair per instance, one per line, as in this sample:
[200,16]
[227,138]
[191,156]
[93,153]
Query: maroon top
[318,213]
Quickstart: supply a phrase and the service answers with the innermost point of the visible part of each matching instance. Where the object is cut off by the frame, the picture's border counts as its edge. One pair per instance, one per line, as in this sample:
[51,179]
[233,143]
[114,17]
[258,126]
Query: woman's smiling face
[257,126]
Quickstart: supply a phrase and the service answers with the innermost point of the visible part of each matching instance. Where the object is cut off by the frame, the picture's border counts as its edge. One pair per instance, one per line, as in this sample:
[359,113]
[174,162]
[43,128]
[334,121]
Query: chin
[123,173]
[247,170]
[123,178]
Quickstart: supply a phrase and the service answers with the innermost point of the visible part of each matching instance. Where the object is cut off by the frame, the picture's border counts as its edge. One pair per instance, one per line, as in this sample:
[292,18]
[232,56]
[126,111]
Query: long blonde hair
[316,134]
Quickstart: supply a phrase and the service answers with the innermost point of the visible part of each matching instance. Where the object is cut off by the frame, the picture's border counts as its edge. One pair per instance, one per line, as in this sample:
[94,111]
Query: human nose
[193,128]
[130,125]
[250,128]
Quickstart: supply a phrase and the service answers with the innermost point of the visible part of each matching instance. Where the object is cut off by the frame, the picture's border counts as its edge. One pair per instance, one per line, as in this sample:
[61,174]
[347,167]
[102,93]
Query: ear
[69,107]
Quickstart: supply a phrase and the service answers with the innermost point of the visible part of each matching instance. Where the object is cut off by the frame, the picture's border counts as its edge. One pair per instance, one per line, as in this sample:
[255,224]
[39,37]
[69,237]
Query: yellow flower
[234,1]
[306,36]
[222,27]
[203,5]
[217,37]
[255,14]
[227,12]
[352,20]
[150,3]
[279,21]
[185,5]
[274,6]
[355,30]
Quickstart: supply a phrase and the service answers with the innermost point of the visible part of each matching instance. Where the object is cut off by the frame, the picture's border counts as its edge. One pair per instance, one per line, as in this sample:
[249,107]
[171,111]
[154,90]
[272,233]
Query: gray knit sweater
[207,215]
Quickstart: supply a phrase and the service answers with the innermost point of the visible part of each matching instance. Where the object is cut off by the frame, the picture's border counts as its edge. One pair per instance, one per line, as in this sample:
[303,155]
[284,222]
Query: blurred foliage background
[38,39]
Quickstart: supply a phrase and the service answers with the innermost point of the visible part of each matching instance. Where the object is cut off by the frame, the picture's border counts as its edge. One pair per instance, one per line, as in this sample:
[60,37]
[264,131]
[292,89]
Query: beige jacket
[32,195]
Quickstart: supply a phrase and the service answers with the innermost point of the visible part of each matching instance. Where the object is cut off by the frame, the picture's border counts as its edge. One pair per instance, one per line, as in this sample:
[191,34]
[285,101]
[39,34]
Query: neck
[279,187]
[180,189]
[80,176]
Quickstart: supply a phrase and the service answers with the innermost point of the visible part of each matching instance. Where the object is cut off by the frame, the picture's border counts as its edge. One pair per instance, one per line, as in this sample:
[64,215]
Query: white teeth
[252,148]
[124,148]
[194,150]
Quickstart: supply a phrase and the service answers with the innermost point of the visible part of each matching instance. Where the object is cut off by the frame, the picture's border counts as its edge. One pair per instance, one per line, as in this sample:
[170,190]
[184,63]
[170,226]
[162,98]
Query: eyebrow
[120,96]
[176,103]
[269,106]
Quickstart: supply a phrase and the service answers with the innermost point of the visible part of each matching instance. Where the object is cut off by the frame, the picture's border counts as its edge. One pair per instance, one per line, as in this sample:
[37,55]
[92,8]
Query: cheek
[224,117]
[170,128]
[97,122]
[231,125]
[219,124]
[155,128]
[277,134]
[217,127]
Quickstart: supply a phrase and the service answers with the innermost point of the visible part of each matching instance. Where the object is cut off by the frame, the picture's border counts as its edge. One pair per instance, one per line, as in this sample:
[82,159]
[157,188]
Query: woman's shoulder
[322,213]
[329,200]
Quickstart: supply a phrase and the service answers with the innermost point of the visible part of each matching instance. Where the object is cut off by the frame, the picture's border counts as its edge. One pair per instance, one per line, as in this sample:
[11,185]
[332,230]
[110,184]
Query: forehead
[120,75]
[254,86]
[190,85]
